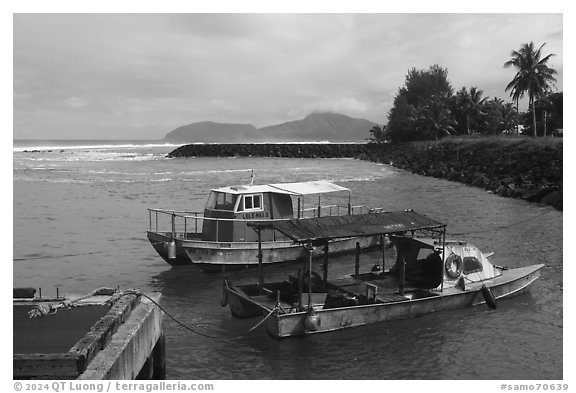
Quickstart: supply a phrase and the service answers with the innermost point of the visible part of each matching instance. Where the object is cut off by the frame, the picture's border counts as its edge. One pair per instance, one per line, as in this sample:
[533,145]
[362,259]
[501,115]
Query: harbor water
[80,219]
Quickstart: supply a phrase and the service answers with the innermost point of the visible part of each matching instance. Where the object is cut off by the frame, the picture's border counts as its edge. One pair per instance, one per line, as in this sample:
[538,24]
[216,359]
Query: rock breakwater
[295,150]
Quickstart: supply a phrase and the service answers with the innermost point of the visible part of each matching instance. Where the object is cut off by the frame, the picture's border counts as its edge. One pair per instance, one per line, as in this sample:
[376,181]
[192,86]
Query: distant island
[318,126]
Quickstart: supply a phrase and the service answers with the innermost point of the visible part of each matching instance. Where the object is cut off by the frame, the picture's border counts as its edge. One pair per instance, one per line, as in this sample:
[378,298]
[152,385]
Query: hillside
[209,131]
[331,127]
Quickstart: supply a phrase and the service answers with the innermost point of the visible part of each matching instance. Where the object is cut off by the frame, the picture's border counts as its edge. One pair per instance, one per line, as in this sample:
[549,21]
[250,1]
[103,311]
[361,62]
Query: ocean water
[80,219]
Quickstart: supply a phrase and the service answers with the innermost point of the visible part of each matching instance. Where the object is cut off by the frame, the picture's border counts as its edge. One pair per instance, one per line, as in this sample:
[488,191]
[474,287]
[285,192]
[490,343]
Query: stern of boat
[240,305]
[160,243]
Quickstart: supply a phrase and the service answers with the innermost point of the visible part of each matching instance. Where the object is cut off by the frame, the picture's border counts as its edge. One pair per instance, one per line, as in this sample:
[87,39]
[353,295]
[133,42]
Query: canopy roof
[302,188]
[324,228]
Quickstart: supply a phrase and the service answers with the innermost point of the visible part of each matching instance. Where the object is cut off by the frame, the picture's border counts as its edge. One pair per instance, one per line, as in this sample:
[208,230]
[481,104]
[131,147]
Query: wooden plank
[46,366]
[343,281]
[390,297]
[131,345]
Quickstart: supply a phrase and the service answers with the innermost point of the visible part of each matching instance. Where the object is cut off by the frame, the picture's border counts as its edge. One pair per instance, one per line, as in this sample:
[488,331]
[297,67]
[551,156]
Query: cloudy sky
[139,76]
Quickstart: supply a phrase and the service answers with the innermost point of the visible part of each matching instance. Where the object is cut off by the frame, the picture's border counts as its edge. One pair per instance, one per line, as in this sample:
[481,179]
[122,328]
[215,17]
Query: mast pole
[357,261]
[310,249]
[349,202]
[443,235]
[325,277]
[402,267]
[260,264]
[382,240]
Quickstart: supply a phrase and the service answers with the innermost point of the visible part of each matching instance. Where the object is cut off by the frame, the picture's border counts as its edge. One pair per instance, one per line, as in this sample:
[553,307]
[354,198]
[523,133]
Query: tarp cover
[310,187]
[324,228]
[303,188]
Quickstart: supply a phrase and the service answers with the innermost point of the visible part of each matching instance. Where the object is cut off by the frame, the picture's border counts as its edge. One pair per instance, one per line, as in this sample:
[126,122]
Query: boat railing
[182,224]
[188,224]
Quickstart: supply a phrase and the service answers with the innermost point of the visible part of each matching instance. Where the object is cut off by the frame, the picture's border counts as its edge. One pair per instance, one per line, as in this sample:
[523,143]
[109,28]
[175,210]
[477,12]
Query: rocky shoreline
[290,150]
[525,168]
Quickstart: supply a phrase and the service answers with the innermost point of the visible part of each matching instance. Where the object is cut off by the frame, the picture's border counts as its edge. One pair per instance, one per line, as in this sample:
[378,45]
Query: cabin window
[221,201]
[251,203]
[471,265]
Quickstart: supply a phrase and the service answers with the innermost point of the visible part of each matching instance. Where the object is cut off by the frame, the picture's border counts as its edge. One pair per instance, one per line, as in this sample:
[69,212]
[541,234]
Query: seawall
[296,150]
[526,168]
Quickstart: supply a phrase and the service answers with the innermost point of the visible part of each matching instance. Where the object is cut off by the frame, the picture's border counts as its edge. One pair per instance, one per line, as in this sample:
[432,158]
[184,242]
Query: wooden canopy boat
[220,236]
[429,274]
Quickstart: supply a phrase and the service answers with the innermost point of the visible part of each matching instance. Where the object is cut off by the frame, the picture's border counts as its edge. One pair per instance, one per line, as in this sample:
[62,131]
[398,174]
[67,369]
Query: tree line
[427,108]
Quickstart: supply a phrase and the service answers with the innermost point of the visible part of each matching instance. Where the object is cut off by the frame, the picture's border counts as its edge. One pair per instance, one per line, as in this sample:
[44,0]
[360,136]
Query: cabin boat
[428,274]
[221,237]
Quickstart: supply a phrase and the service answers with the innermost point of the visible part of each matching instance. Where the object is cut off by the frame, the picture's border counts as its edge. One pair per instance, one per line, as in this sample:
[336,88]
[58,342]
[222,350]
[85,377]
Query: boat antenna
[252,178]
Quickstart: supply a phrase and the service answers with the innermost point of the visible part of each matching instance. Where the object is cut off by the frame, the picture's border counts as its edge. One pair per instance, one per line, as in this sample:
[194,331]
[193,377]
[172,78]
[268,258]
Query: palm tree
[435,119]
[544,103]
[377,134]
[533,75]
[470,104]
[509,116]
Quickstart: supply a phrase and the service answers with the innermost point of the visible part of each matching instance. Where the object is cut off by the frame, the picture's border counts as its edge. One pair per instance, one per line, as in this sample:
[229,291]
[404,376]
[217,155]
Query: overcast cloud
[139,76]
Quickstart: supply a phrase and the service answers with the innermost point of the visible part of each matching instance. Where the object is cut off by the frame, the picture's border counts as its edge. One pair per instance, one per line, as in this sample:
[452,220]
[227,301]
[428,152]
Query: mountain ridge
[317,126]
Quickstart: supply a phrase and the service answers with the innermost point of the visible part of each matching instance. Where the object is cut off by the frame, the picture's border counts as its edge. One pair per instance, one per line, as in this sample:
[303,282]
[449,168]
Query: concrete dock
[90,341]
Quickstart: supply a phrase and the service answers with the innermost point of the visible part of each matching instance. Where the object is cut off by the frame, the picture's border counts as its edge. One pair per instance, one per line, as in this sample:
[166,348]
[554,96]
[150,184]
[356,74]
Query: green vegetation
[426,108]
[533,76]
[420,109]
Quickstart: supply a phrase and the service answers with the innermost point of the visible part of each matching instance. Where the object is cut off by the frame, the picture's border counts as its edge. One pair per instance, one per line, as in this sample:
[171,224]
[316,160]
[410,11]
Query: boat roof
[300,188]
[306,230]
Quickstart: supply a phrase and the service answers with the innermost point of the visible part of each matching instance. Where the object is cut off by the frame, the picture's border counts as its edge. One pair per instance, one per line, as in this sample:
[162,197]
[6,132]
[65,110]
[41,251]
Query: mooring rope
[50,309]
[47,309]
[503,226]
[196,331]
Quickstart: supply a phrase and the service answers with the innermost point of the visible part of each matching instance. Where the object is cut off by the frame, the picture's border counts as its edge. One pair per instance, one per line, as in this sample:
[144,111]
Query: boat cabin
[229,209]
[425,268]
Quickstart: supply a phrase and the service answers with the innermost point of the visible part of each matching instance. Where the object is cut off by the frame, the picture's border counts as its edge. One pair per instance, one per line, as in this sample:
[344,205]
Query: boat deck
[381,288]
[366,289]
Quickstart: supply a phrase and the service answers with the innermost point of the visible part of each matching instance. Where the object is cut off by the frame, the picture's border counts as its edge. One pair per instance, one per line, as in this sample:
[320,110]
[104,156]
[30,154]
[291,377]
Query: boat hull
[213,256]
[159,241]
[279,325]
[241,306]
